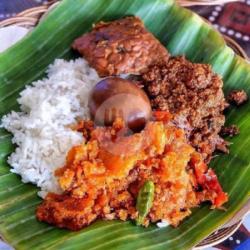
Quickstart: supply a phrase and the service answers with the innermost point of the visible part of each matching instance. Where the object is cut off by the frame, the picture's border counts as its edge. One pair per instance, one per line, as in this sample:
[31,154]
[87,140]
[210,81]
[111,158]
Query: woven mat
[232,19]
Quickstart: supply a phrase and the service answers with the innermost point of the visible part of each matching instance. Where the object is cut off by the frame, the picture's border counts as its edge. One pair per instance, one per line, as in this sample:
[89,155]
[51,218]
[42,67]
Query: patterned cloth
[232,19]
[9,8]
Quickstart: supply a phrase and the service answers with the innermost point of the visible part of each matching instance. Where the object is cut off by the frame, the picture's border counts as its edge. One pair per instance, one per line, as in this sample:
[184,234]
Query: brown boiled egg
[115,97]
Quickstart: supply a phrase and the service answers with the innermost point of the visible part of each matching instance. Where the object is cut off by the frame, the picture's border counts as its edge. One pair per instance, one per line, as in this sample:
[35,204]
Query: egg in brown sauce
[115,97]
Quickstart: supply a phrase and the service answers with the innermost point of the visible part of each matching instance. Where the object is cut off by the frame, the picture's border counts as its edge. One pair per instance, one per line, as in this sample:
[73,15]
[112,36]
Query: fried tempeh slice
[120,47]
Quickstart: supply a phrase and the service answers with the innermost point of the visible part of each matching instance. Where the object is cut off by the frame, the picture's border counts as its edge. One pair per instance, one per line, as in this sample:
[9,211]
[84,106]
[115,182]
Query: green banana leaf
[182,32]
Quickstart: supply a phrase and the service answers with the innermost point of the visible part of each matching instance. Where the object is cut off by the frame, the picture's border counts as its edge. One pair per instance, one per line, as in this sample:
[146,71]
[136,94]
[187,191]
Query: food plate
[183,33]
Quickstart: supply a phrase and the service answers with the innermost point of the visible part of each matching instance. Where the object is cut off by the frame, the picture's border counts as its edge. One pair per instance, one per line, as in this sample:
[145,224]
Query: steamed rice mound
[40,130]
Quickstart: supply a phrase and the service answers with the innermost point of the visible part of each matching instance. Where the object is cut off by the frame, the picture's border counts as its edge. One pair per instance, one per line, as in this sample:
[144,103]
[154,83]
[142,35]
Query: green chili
[144,201]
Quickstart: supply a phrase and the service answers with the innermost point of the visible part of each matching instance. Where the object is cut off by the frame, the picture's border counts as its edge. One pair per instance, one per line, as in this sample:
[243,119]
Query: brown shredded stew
[193,93]
[237,97]
[230,131]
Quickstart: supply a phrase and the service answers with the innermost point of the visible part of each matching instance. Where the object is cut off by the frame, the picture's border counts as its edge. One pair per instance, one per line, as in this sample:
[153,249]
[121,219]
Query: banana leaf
[182,32]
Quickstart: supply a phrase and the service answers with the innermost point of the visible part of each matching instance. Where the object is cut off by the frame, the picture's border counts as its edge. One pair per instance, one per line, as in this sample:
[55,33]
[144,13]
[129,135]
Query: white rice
[162,223]
[40,129]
